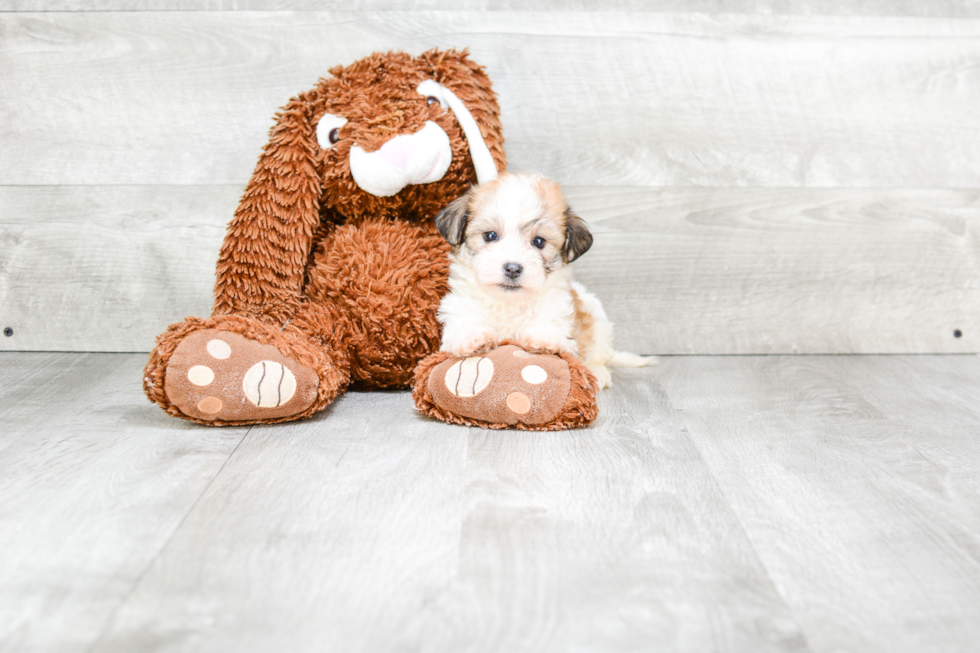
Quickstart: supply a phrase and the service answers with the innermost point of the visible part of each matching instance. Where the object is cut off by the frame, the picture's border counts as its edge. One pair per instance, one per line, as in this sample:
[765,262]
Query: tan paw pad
[507,385]
[519,403]
[200,375]
[219,349]
[220,375]
[269,385]
[534,374]
[468,377]
[210,405]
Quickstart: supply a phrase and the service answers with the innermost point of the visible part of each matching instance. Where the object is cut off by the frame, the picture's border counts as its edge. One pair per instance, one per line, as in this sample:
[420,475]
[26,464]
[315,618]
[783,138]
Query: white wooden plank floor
[822,503]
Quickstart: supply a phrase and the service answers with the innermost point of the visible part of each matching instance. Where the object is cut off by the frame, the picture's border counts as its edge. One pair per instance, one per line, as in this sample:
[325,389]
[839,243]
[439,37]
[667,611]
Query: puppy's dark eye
[431,100]
[489,236]
[334,135]
[539,242]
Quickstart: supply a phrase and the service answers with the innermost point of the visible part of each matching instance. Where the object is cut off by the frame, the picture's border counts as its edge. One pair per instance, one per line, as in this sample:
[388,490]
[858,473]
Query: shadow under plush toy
[332,270]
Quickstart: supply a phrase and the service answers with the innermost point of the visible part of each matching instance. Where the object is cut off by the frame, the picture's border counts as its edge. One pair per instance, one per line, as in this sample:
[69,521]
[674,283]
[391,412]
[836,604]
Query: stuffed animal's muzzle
[419,158]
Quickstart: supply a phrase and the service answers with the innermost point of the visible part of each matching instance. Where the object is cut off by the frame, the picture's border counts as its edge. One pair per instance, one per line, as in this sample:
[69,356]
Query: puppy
[510,279]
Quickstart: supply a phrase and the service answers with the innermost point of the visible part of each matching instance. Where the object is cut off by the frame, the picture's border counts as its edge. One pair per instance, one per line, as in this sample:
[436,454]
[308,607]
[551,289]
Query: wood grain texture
[933,8]
[607,539]
[329,534]
[106,268]
[855,479]
[601,98]
[735,271]
[774,503]
[371,529]
[94,481]
[843,271]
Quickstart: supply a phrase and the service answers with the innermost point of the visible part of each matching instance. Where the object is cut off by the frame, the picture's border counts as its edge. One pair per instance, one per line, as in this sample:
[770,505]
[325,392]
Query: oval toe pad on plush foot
[223,376]
[504,386]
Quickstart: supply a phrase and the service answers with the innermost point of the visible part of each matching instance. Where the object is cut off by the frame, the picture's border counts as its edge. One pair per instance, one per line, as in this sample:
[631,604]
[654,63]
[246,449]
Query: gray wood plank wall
[762,177]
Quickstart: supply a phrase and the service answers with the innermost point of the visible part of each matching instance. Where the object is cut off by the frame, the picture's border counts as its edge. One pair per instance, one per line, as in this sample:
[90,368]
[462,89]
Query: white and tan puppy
[510,278]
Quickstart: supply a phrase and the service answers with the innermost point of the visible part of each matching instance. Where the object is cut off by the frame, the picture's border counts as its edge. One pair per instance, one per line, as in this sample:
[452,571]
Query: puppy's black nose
[513,270]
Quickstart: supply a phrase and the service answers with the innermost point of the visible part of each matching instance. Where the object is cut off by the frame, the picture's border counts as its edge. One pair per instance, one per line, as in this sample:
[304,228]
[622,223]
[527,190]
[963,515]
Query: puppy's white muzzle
[419,158]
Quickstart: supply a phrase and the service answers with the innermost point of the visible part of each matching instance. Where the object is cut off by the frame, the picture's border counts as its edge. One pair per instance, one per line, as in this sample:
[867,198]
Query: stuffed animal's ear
[263,258]
[451,221]
[469,82]
[578,238]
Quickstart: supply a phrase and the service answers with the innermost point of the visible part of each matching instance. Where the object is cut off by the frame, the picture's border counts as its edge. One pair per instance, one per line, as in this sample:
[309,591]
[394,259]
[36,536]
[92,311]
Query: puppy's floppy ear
[451,221]
[578,238]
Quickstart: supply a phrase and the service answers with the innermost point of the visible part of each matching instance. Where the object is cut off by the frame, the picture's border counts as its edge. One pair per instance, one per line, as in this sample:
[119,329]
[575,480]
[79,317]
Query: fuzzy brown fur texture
[340,281]
[298,190]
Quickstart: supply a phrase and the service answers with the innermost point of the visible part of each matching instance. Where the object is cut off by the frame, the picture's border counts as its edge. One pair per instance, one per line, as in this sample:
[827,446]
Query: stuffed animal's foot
[507,388]
[218,376]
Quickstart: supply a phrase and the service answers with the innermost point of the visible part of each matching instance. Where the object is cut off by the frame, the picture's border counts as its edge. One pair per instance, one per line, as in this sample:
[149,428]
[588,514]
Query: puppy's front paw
[477,342]
[545,341]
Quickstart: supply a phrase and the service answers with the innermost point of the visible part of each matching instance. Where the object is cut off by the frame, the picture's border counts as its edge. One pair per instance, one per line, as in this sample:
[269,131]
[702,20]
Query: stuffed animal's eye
[328,130]
[489,236]
[431,100]
[539,242]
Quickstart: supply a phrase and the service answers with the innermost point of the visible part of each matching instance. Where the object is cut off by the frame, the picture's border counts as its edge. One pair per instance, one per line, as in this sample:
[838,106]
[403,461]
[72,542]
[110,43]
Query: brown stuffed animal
[332,270]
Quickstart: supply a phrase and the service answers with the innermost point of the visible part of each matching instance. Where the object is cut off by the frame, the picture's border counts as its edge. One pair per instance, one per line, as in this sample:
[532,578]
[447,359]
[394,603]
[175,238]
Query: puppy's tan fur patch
[584,325]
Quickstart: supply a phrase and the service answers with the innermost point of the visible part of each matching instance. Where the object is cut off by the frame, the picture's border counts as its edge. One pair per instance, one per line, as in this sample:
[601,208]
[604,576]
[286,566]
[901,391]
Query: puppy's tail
[626,359]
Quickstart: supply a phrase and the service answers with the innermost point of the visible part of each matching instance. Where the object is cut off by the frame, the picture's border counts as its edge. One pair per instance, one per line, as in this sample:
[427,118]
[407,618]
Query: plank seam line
[149,565]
